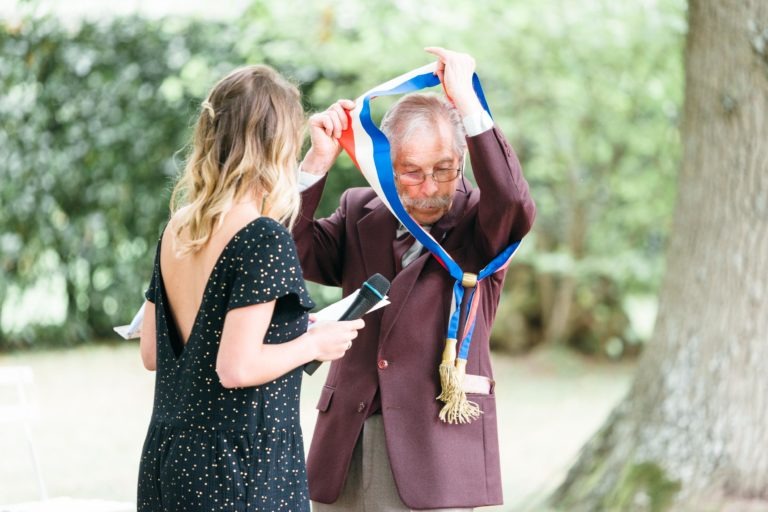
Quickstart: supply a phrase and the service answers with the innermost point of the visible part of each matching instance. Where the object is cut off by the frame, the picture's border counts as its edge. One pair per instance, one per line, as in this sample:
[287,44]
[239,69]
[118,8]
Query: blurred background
[97,100]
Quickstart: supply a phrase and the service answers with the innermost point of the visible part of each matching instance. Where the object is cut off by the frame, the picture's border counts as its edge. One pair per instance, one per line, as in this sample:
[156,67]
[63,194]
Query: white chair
[21,411]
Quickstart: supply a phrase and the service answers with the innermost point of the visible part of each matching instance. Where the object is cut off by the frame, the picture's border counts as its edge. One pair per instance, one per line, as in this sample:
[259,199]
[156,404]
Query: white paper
[132,330]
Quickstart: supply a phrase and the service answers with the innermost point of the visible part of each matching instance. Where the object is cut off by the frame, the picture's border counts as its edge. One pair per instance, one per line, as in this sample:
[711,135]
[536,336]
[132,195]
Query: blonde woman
[226,314]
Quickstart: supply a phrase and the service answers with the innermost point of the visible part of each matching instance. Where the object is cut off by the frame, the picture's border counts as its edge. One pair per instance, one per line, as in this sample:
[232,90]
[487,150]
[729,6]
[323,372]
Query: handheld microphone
[371,292]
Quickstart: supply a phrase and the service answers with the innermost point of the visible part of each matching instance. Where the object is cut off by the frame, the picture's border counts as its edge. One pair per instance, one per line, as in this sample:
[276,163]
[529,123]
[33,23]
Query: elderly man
[378,442]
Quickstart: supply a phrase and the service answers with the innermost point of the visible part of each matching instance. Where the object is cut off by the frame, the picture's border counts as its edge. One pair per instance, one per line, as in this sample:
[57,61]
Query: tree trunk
[692,433]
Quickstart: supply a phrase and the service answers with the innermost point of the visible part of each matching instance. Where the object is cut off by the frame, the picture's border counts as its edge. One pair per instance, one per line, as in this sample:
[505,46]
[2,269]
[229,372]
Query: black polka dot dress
[215,449]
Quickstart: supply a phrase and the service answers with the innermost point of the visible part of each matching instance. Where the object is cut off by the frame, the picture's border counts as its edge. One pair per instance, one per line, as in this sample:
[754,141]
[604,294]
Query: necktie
[400,246]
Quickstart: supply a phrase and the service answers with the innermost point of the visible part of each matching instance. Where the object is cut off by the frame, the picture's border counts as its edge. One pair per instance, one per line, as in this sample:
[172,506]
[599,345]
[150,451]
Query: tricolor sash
[370,151]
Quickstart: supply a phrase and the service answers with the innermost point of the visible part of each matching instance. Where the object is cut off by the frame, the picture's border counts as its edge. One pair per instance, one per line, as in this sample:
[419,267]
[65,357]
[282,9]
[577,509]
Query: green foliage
[92,123]
[596,92]
[589,94]
[95,121]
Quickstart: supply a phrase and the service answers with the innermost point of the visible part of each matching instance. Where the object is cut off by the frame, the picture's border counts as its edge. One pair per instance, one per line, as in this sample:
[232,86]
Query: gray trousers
[370,486]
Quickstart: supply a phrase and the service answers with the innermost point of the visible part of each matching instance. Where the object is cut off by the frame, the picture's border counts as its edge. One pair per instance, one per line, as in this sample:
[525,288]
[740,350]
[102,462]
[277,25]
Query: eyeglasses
[417,177]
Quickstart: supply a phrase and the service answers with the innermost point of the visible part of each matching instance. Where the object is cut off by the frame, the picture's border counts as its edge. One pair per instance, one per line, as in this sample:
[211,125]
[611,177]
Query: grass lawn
[94,406]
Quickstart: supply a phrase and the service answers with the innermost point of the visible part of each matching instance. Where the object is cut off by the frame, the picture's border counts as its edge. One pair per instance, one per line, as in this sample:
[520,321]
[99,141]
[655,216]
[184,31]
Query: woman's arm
[245,360]
[148,340]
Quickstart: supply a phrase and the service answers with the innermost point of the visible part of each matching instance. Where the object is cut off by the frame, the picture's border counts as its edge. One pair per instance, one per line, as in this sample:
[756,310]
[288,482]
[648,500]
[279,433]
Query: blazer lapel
[404,282]
[376,230]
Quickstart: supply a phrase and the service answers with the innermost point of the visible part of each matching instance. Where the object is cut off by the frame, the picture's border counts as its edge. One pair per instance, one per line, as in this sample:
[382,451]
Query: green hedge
[94,120]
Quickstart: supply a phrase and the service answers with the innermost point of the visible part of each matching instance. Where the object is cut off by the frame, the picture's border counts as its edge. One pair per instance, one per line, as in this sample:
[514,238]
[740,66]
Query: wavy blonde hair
[246,140]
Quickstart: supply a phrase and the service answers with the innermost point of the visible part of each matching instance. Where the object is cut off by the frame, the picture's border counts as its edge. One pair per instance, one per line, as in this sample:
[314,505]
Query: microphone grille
[379,283]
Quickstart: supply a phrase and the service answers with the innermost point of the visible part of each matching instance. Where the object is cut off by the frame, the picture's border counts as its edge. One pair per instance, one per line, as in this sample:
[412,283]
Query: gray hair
[422,110]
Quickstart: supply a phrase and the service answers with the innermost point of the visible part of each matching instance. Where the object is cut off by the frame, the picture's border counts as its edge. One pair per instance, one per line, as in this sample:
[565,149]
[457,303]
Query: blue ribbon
[384,169]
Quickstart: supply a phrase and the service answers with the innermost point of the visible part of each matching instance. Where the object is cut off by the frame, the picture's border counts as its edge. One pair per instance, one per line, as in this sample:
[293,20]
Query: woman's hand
[331,340]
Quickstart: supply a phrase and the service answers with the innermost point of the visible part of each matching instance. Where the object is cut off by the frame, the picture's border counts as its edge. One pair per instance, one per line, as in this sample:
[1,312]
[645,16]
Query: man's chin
[427,216]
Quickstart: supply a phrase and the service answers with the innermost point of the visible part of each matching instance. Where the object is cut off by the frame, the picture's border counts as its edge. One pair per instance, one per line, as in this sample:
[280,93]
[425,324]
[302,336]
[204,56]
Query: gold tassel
[457,408]
[448,377]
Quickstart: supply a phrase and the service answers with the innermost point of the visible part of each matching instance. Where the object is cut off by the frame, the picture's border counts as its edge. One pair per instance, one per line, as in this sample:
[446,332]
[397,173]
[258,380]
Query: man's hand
[324,131]
[455,70]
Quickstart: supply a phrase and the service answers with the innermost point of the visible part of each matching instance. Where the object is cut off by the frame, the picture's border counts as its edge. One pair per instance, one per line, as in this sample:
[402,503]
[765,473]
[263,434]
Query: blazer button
[361,407]
[383,363]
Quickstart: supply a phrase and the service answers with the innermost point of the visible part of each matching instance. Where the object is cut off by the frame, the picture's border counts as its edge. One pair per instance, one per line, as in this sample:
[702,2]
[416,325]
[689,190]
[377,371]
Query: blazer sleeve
[319,242]
[506,209]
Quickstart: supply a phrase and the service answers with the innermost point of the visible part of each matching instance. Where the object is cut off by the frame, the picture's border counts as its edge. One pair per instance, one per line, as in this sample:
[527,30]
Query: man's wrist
[315,170]
[314,165]
[469,105]
[477,123]
[307,179]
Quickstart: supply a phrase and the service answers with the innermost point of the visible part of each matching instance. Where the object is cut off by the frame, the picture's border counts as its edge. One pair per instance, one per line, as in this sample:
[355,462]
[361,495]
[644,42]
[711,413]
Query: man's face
[428,150]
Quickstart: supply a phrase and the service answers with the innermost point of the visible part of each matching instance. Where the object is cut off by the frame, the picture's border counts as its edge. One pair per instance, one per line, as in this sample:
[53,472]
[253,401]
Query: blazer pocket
[325,398]
[478,385]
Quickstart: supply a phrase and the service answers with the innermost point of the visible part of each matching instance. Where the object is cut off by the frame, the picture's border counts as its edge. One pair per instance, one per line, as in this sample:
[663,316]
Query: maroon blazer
[434,464]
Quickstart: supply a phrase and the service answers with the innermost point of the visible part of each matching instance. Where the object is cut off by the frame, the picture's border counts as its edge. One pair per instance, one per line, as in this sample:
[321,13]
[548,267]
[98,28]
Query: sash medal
[370,151]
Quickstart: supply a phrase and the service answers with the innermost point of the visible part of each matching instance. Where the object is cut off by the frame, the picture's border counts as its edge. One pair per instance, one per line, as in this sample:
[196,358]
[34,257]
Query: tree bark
[692,433]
